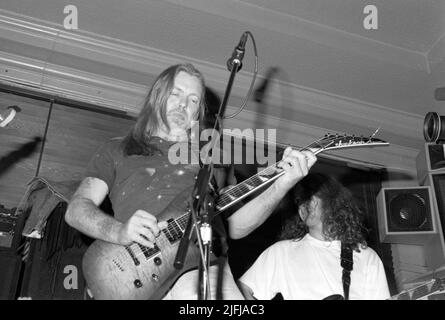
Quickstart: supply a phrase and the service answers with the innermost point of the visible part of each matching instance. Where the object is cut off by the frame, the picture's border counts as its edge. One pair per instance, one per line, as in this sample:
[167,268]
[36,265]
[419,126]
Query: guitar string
[235,191]
[152,251]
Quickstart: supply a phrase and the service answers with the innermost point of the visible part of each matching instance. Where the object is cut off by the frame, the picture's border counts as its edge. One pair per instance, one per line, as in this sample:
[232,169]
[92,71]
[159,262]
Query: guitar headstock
[337,141]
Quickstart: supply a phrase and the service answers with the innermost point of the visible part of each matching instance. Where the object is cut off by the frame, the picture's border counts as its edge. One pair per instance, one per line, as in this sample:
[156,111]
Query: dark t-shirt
[142,182]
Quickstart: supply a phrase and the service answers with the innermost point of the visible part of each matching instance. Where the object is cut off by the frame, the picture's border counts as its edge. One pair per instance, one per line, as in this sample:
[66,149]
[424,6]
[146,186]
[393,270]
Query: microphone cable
[249,93]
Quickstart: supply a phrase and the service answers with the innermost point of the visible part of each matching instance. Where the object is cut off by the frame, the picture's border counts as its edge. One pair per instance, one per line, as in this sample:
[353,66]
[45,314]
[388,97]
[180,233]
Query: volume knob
[137,283]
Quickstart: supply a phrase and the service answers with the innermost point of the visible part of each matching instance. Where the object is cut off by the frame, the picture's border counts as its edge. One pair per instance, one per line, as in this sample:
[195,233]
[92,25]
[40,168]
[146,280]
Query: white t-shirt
[310,269]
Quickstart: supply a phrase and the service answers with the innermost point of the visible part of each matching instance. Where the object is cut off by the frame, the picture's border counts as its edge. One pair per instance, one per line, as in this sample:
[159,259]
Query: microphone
[439,94]
[238,53]
[259,93]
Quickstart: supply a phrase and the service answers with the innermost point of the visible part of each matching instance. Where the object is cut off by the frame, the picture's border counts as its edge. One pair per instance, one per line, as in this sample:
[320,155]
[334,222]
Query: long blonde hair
[138,139]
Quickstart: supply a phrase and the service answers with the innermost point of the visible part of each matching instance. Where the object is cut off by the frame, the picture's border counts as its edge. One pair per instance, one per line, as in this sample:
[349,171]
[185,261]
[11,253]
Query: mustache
[177,113]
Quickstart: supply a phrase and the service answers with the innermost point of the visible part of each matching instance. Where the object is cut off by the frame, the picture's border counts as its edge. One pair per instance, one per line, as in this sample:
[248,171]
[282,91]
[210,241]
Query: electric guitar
[136,272]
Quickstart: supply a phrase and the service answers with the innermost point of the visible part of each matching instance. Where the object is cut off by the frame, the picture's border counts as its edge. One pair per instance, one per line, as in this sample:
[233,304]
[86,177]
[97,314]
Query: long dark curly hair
[341,217]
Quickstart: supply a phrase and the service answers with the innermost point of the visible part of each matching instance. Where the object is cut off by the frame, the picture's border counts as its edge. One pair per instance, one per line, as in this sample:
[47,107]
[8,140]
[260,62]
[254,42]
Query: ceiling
[324,53]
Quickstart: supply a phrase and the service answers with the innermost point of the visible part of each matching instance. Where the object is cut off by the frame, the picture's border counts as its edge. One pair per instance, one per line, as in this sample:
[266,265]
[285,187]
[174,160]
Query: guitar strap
[346,263]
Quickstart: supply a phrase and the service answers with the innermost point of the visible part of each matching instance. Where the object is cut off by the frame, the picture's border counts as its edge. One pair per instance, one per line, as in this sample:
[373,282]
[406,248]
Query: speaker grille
[408,210]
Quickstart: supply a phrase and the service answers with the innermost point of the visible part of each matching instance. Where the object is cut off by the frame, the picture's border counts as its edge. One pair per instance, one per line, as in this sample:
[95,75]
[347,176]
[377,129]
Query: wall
[73,133]
[20,146]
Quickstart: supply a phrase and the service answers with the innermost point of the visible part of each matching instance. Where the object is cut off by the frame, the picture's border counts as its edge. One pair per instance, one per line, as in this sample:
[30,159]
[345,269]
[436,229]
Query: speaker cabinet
[431,159]
[406,215]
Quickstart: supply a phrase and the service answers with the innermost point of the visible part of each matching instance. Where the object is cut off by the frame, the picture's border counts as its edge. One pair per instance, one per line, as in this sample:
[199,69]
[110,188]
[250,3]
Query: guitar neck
[248,186]
[257,181]
[273,172]
[238,192]
[268,175]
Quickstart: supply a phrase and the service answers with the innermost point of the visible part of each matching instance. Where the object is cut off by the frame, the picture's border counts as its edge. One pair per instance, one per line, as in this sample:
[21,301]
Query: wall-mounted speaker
[430,159]
[406,215]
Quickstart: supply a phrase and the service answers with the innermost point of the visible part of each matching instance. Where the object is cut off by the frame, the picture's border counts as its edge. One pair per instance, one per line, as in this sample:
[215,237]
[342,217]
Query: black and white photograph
[223,150]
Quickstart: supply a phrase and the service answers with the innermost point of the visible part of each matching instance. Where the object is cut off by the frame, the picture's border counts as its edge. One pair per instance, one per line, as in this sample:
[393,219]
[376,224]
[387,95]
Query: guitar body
[111,273]
[134,272]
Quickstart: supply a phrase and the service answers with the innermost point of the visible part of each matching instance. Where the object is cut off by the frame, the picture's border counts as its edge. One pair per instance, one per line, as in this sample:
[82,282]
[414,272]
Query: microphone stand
[201,213]
[202,207]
